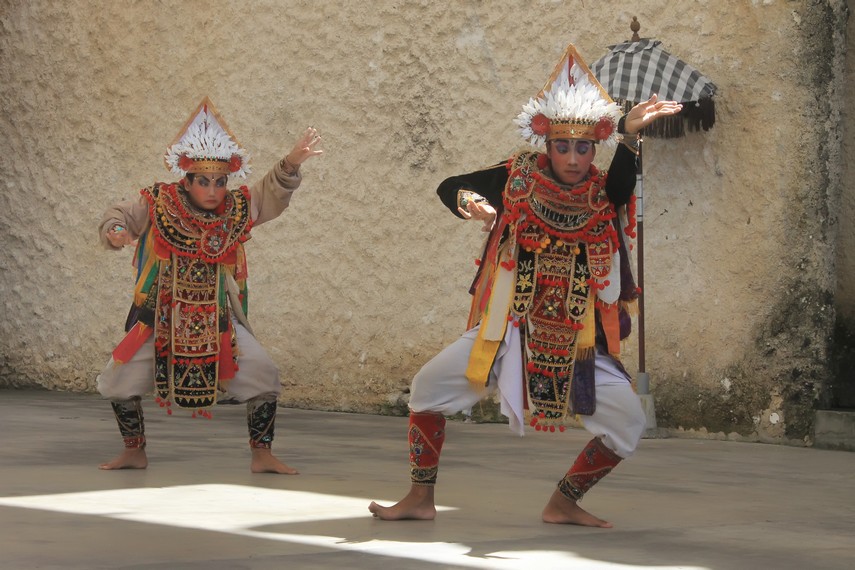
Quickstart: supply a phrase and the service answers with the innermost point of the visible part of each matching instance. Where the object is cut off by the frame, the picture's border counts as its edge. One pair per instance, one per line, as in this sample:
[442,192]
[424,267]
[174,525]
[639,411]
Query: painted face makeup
[208,191]
[582,147]
[571,159]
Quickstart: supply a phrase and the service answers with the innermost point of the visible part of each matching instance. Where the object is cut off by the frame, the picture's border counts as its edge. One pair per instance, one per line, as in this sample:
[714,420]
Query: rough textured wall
[846,249]
[842,391]
[365,277]
[746,257]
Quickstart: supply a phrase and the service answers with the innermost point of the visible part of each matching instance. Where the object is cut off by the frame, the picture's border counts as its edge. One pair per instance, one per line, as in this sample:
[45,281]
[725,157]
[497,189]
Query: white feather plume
[205,138]
[581,101]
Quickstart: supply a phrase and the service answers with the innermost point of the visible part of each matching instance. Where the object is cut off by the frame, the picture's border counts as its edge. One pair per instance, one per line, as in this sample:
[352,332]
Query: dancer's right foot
[130,458]
[417,505]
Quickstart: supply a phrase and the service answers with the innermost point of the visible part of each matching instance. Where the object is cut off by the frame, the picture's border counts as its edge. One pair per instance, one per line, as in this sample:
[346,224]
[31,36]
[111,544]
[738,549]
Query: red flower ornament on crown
[604,128]
[235,162]
[540,124]
[185,162]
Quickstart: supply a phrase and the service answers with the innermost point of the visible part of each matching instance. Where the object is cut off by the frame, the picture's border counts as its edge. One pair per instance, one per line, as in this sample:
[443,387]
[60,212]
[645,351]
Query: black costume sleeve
[489,183]
[621,180]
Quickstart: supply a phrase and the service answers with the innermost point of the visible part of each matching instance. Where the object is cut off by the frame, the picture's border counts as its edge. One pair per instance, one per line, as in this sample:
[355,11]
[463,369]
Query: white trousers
[442,387]
[257,376]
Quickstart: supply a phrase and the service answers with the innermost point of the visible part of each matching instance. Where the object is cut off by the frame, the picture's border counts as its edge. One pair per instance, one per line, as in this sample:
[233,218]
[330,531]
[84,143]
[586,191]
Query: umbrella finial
[635,26]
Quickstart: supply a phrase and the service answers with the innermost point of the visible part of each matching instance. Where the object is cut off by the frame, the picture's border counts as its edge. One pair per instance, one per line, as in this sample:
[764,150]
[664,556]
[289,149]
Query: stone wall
[365,277]
[841,393]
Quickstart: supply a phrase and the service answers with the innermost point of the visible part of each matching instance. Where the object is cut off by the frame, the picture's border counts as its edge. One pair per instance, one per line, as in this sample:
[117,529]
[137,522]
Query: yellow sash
[493,325]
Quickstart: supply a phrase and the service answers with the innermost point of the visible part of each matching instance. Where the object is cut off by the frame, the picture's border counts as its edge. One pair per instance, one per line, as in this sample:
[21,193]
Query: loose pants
[257,376]
[442,387]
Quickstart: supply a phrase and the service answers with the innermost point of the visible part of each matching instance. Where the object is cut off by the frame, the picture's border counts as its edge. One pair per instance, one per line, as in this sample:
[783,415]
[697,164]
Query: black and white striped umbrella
[633,71]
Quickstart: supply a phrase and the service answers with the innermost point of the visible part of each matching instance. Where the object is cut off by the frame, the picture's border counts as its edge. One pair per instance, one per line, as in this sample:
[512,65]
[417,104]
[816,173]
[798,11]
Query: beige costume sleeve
[271,195]
[268,198]
[130,214]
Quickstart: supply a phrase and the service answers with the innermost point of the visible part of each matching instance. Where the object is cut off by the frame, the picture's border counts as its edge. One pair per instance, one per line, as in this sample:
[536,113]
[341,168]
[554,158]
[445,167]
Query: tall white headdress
[571,105]
[206,145]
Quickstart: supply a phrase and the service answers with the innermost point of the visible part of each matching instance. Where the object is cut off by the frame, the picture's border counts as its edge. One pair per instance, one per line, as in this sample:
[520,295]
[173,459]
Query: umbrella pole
[643,380]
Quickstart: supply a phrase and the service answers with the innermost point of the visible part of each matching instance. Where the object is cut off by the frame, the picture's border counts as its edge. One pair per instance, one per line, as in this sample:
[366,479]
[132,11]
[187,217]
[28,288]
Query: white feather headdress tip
[573,105]
[205,138]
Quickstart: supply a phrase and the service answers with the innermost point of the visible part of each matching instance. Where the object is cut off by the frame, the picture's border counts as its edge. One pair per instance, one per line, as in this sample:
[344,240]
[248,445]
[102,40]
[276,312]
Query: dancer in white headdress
[552,297]
[188,338]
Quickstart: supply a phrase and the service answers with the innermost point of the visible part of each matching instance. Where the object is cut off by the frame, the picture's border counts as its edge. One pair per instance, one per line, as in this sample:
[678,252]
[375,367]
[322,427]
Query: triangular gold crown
[205,143]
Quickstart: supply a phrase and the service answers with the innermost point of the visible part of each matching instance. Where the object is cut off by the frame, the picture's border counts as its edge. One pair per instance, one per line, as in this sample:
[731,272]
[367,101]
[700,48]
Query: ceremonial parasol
[631,72]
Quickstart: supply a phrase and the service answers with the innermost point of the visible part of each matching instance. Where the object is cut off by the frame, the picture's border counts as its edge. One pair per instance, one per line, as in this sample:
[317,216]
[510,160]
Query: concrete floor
[678,503]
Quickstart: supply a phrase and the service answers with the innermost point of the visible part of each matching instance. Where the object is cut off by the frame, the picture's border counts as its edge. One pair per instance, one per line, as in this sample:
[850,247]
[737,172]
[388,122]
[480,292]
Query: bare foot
[417,505]
[561,510]
[263,461]
[130,458]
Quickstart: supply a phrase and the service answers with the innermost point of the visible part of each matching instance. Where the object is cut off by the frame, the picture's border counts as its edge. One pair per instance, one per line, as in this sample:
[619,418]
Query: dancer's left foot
[130,458]
[561,510]
[418,504]
[263,461]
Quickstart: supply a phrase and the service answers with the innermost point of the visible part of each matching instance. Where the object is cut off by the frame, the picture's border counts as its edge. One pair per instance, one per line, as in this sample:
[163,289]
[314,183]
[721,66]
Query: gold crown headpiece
[571,105]
[206,145]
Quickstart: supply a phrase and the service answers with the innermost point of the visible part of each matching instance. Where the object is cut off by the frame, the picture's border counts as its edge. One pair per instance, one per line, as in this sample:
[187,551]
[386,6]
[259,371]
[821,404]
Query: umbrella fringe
[696,116]
[701,114]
